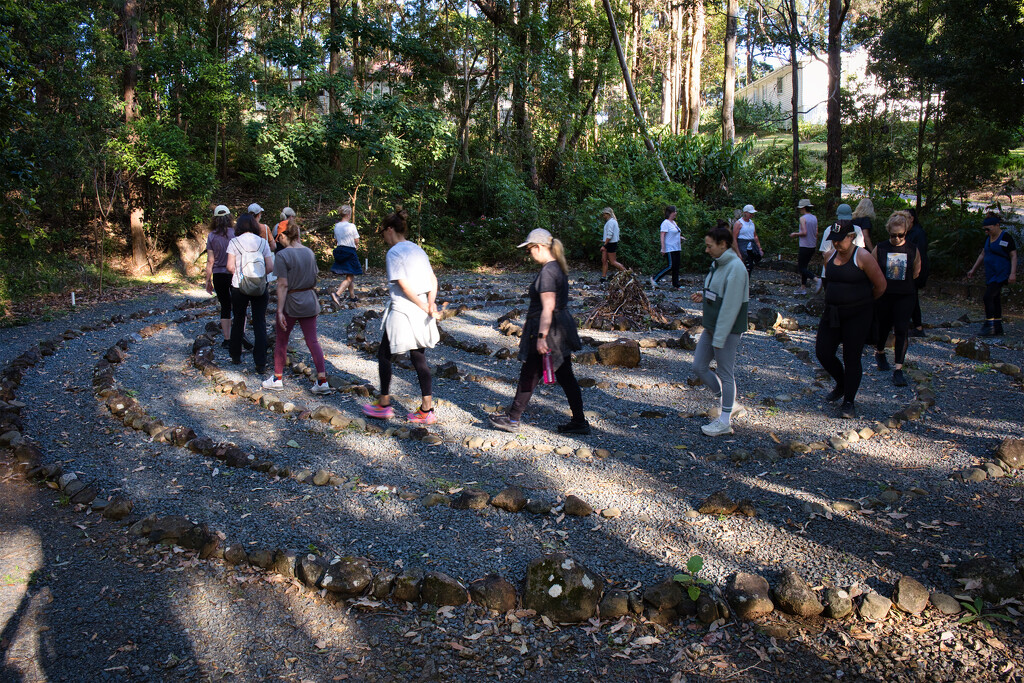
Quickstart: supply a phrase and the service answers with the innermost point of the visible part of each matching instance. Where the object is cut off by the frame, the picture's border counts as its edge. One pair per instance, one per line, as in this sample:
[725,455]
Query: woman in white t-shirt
[410,320]
[745,240]
[346,258]
[610,245]
[671,247]
[247,239]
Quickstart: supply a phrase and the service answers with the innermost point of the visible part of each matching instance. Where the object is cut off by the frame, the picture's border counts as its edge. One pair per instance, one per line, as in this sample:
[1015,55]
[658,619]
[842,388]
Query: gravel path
[659,471]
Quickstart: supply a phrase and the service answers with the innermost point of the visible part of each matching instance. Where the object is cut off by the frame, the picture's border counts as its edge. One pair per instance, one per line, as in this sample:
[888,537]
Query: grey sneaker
[273,384]
[321,388]
[505,424]
[716,428]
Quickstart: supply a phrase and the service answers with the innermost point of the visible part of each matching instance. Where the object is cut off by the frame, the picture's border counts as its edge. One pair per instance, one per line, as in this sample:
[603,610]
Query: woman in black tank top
[901,264]
[854,282]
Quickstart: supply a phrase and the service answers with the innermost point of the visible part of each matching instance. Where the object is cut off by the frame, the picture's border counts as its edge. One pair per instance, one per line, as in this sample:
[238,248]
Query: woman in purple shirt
[218,279]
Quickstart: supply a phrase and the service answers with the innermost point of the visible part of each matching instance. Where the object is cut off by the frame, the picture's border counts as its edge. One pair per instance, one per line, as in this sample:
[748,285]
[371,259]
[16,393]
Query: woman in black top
[919,238]
[900,263]
[854,282]
[549,331]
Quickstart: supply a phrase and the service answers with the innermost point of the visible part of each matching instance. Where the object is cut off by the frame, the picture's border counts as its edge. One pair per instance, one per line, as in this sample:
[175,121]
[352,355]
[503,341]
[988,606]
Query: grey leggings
[723,382]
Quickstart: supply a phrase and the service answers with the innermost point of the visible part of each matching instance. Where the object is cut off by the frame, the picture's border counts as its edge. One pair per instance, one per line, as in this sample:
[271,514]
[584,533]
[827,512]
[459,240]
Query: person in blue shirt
[1000,258]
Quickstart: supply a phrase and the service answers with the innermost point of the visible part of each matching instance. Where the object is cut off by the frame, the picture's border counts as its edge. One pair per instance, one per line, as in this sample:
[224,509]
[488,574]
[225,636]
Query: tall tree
[729,77]
[837,12]
[131,17]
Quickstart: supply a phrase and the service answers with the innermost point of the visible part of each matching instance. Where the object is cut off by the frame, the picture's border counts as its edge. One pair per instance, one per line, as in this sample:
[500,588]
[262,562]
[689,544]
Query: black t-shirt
[897,264]
[549,279]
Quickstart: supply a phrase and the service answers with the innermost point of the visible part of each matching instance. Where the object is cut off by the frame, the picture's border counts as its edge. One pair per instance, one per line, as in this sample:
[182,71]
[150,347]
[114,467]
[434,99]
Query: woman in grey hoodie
[726,296]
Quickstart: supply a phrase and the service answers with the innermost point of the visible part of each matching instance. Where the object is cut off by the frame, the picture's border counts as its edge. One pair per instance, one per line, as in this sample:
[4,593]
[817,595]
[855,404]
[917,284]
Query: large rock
[118,508]
[441,589]
[998,580]
[1011,451]
[493,592]
[767,317]
[718,503]
[874,607]
[561,589]
[511,499]
[614,604]
[974,349]
[170,528]
[838,603]
[407,585]
[748,595]
[710,609]
[311,569]
[794,596]
[665,595]
[347,576]
[577,507]
[382,584]
[946,604]
[471,499]
[910,596]
[624,353]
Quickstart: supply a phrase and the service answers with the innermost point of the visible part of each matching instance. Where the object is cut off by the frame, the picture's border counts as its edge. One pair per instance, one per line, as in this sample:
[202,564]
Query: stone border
[555,585]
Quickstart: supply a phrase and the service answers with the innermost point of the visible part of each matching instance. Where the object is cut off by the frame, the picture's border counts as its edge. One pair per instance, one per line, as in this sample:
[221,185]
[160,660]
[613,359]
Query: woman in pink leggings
[295,267]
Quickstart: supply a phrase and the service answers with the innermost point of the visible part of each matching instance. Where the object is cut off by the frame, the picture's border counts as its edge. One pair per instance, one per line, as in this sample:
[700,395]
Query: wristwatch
[540,335]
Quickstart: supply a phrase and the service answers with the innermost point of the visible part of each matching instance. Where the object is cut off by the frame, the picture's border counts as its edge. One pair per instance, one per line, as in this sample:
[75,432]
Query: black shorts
[611,247]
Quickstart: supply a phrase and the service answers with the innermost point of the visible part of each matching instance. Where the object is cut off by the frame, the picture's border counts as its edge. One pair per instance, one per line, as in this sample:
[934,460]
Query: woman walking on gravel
[900,263]
[1000,258]
[725,297]
[854,282]
[218,279]
[671,247]
[549,336]
[245,250]
[410,320]
[808,241]
[297,302]
[346,258]
[745,240]
[610,245]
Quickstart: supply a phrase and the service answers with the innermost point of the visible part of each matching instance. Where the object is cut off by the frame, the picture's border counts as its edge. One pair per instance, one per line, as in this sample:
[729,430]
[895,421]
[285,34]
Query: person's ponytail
[558,251]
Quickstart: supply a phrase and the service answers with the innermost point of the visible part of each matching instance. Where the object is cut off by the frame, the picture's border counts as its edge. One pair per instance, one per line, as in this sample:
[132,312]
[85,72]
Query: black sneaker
[261,369]
[882,362]
[834,395]
[236,361]
[917,332]
[898,379]
[225,344]
[246,344]
[574,427]
[505,423]
[848,410]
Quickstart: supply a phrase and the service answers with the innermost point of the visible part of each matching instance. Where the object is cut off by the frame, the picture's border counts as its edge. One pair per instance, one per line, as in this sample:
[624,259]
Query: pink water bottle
[549,371]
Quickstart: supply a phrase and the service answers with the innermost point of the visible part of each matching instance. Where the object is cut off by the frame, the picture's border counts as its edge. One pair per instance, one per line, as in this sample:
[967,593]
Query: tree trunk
[834,134]
[751,36]
[335,58]
[697,47]
[729,79]
[520,107]
[794,38]
[131,13]
[924,111]
[632,93]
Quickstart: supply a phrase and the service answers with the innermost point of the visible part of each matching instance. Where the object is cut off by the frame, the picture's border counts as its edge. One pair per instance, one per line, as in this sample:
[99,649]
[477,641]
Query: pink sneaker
[423,417]
[379,412]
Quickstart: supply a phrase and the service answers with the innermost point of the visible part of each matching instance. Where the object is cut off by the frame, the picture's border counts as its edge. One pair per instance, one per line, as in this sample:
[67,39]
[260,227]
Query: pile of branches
[626,307]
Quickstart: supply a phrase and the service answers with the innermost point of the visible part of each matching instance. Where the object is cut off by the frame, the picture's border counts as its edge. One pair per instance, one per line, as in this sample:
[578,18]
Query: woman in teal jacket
[725,297]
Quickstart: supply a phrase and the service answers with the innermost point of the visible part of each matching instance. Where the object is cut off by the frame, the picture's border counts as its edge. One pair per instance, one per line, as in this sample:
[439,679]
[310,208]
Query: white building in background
[776,88]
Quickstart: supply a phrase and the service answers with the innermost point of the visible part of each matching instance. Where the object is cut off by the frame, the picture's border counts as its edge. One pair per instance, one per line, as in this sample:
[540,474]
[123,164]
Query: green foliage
[690,580]
[976,612]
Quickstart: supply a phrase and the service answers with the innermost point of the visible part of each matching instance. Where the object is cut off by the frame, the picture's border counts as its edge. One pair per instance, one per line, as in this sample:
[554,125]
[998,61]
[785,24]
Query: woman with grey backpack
[250,260]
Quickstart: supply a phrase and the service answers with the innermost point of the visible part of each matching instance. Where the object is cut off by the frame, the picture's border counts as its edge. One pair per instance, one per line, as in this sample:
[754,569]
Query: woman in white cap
[610,245]
[808,242]
[218,279]
[257,213]
[410,320]
[549,336]
[745,239]
[346,257]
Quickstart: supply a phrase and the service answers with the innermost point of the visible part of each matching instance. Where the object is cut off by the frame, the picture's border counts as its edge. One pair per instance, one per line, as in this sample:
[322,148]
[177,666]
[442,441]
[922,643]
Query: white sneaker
[321,388]
[654,285]
[273,384]
[800,292]
[817,285]
[716,428]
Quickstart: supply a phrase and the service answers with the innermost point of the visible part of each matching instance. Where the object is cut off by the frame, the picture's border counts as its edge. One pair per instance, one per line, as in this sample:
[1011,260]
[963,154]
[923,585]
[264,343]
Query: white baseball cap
[537,236]
[749,208]
[221,210]
[255,208]
[804,203]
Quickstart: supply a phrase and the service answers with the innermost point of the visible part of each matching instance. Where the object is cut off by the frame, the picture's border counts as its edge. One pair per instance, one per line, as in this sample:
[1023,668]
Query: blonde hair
[607,211]
[558,251]
[897,218]
[865,209]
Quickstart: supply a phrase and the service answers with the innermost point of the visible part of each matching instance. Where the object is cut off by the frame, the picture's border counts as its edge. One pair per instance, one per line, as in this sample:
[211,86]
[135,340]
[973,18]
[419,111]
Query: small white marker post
[72,299]
[367,265]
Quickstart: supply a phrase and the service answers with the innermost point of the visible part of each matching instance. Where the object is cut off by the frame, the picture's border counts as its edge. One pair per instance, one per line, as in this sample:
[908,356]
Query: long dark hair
[220,224]
[246,223]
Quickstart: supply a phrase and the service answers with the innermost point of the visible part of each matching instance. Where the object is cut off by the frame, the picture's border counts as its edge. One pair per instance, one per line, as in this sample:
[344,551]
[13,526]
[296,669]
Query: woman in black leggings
[854,281]
[900,263]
